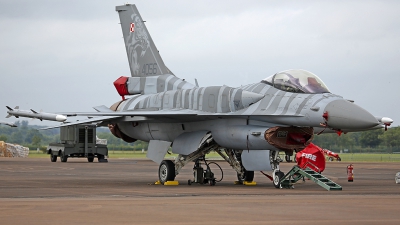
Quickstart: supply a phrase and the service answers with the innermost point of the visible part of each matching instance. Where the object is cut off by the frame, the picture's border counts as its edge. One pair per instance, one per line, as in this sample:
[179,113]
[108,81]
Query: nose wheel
[277,177]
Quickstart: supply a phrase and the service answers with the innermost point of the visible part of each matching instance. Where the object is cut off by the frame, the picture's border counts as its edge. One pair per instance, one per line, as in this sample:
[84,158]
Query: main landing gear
[246,176]
[168,169]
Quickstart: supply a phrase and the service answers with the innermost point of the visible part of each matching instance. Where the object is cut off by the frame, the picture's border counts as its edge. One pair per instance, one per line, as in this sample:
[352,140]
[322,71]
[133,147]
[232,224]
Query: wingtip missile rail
[34,114]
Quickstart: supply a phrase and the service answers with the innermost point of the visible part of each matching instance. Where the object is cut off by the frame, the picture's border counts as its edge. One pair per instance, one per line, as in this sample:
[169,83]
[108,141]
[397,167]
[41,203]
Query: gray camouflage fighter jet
[247,126]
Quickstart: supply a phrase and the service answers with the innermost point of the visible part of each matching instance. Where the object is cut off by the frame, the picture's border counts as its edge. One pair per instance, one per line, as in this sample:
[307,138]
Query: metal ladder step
[296,174]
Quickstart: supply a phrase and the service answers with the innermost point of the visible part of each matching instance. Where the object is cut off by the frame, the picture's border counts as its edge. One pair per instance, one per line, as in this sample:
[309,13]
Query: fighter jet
[248,126]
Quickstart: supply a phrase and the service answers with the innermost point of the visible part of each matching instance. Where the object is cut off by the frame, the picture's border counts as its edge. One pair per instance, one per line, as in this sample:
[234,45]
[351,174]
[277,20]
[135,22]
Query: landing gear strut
[233,157]
[244,175]
[277,175]
[247,176]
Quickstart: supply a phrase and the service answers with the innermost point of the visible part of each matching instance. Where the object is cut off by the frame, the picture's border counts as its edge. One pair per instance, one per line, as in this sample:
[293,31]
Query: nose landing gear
[277,175]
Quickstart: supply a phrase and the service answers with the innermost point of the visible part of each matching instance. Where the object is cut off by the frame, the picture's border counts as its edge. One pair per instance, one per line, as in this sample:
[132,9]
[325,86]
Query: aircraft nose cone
[343,114]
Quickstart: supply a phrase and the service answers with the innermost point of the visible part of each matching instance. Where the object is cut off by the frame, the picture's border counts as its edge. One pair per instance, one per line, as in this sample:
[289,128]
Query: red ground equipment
[331,155]
[313,157]
[350,174]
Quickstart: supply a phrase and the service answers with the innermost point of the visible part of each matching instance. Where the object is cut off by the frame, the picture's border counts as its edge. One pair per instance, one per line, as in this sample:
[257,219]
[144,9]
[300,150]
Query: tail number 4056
[149,68]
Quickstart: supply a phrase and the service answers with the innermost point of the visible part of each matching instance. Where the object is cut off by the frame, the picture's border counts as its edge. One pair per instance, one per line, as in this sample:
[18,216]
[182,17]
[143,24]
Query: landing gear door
[157,150]
[189,142]
[256,160]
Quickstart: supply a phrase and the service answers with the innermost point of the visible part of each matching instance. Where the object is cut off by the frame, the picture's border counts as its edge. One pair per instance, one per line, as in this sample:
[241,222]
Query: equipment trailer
[78,141]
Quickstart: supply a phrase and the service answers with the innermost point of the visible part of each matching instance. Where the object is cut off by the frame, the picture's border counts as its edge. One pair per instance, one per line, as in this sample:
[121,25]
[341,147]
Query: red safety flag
[313,157]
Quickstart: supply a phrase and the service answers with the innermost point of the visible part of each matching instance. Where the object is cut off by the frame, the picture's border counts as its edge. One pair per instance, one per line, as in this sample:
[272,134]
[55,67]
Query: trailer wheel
[53,158]
[63,157]
[90,158]
[166,171]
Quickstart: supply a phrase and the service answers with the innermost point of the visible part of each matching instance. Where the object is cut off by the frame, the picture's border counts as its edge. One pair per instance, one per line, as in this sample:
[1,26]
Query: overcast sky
[65,55]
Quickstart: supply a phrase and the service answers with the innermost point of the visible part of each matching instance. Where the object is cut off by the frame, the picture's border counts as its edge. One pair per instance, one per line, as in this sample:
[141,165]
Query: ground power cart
[78,141]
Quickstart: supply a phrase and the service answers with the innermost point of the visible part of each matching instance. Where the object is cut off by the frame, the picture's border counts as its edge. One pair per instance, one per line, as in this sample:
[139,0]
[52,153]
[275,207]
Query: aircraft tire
[278,176]
[166,171]
[53,158]
[248,177]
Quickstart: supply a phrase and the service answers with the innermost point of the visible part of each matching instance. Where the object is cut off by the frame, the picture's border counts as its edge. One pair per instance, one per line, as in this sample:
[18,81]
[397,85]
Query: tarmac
[122,191]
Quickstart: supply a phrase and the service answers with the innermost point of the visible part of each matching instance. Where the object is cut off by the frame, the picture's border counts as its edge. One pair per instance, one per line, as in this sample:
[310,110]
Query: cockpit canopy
[298,81]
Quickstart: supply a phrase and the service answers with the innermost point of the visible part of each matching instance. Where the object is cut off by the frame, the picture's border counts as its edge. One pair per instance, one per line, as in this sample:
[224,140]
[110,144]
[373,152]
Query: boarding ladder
[296,174]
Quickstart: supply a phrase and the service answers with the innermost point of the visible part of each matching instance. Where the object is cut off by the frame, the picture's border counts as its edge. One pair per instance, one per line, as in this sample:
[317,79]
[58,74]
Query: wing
[147,112]
[98,120]
[103,118]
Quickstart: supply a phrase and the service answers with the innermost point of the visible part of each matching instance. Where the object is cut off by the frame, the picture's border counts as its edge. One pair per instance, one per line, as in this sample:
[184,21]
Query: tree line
[357,142]
[377,141]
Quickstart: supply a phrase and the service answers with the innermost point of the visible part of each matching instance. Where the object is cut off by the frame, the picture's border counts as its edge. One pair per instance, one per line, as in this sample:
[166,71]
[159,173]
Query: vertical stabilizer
[143,56]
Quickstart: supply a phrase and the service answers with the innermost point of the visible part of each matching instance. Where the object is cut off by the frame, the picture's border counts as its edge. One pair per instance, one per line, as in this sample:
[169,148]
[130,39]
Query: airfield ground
[36,191]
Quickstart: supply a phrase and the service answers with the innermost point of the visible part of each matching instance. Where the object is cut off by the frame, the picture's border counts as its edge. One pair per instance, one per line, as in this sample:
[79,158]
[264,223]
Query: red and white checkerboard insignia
[132,28]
